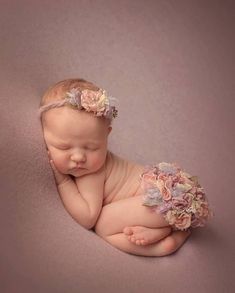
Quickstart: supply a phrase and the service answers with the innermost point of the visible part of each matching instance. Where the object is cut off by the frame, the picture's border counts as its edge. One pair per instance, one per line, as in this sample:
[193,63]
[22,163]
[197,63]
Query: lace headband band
[97,102]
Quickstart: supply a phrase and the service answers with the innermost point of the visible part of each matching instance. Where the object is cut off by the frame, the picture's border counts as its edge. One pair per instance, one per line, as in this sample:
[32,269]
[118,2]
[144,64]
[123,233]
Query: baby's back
[122,179]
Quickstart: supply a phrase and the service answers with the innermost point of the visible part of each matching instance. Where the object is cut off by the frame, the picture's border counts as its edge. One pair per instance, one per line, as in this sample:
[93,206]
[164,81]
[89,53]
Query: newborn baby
[133,208]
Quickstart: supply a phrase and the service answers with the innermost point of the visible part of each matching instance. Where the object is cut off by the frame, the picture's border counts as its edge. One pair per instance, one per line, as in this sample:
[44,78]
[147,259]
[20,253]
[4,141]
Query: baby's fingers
[53,166]
[59,177]
[56,172]
[48,153]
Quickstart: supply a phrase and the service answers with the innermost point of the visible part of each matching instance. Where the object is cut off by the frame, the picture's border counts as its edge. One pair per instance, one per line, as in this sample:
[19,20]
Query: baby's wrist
[64,181]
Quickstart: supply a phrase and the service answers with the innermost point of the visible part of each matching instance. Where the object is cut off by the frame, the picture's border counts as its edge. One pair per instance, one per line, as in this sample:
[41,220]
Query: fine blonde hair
[57,91]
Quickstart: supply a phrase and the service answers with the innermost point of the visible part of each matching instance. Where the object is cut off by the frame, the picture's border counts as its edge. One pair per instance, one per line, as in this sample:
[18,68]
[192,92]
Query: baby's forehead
[60,121]
[67,114]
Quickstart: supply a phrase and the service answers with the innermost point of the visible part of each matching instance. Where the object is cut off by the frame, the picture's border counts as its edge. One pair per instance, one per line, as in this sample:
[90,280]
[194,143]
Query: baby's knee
[174,241]
[170,245]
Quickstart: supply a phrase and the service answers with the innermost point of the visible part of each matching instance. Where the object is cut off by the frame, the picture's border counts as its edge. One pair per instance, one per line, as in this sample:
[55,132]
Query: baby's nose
[78,157]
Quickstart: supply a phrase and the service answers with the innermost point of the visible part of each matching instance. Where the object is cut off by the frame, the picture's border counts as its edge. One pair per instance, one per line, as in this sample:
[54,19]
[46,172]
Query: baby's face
[76,140]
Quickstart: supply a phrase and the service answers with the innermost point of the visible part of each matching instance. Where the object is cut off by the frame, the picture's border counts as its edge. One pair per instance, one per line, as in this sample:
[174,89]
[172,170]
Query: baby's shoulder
[115,163]
[114,160]
[122,178]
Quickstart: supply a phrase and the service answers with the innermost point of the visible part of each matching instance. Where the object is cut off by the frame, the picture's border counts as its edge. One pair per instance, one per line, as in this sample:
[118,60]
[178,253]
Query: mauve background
[171,65]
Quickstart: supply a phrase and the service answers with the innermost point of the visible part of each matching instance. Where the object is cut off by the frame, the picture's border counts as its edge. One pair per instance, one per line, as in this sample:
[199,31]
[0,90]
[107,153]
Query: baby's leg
[163,247]
[116,216]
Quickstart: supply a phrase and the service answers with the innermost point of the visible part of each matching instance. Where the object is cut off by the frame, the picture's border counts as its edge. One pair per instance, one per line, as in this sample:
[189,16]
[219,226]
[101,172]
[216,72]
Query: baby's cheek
[98,160]
[60,163]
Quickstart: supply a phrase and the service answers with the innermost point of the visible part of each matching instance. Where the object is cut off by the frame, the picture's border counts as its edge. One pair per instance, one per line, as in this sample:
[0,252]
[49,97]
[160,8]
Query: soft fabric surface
[171,65]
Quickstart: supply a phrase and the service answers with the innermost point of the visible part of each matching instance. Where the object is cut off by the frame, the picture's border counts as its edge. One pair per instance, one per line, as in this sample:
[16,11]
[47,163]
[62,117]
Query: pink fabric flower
[164,187]
[180,203]
[150,178]
[183,221]
[189,198]
[203,210]
[148,184]
[94,101]
[179,221]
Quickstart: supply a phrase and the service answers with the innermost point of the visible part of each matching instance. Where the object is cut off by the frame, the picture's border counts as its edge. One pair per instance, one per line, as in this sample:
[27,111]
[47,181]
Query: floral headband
[91,101]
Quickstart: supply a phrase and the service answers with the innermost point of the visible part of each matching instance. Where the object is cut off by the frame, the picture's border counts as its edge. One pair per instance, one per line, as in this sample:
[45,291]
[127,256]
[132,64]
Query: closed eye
[91,148]
[62,147]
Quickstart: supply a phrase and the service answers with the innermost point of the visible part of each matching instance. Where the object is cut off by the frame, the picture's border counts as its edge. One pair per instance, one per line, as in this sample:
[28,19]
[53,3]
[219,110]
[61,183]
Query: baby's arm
[84,203]
[91,188]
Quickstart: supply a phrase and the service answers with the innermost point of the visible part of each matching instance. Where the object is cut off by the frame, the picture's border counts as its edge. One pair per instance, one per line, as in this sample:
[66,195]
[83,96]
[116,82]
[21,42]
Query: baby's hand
[60,178]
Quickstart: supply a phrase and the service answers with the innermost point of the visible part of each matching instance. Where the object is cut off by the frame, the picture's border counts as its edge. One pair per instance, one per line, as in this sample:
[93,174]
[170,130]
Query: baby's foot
[141,235]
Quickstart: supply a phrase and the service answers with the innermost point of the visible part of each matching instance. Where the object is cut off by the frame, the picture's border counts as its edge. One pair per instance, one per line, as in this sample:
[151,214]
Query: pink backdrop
[171,66]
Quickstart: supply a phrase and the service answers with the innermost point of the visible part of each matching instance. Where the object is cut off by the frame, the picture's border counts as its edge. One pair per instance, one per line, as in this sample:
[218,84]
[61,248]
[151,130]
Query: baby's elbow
[88,224]
[93,219]
[85,223]
[88,227]
[91,224]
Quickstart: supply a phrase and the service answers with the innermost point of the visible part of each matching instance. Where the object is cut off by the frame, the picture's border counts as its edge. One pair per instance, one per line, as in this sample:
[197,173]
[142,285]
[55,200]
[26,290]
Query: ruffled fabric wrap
[175,194]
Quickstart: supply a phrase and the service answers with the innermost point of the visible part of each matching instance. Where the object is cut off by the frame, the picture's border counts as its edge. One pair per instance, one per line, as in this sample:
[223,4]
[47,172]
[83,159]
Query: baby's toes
[143,242]
[128,231]
[140,242]
[137,241]
[129,237]
[132,239]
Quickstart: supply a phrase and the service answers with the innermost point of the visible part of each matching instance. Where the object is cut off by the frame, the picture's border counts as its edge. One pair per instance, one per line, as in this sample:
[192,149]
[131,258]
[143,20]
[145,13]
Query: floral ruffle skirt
[175,194]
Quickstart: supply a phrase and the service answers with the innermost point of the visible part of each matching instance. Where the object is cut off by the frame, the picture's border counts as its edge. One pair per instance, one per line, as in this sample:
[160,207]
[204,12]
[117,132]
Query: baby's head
[81,95]
[76,118]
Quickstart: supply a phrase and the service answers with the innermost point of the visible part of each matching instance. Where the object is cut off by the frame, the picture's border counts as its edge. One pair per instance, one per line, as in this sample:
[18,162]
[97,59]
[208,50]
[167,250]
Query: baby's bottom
[126,223]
